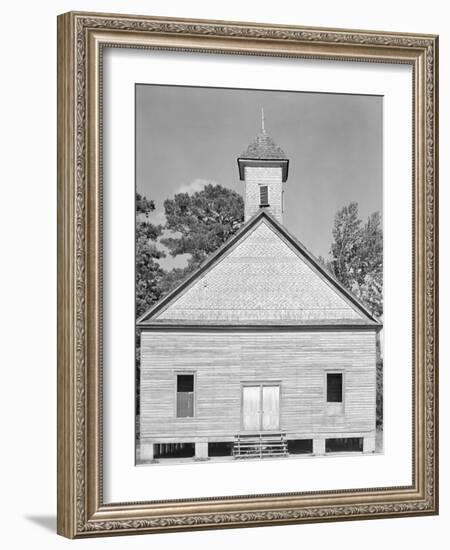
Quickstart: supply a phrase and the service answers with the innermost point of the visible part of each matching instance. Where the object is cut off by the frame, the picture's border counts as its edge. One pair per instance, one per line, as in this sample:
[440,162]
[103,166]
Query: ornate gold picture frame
[82,41]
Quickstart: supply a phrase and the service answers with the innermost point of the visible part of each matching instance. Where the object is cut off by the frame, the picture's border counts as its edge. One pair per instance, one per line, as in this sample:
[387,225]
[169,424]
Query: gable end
[262,275]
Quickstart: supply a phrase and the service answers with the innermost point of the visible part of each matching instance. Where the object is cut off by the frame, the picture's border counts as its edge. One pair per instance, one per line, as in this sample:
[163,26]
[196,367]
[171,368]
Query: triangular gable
[261,275]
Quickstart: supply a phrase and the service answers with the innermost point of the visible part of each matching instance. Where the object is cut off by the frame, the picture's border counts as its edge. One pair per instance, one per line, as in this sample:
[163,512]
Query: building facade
[260,352]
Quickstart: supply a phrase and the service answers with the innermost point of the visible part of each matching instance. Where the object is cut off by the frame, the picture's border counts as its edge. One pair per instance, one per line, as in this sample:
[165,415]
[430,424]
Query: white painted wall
[255,176]
[28,285]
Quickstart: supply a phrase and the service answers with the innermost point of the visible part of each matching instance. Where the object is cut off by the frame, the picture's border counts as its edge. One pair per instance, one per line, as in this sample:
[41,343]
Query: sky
[187,137]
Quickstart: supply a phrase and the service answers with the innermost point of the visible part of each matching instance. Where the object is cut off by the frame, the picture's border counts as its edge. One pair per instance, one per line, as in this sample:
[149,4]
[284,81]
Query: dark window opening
[220,448]
[300,446]
[185,383]
[174,450]
[334,387]
[185,395]
[344,444]
[264,195]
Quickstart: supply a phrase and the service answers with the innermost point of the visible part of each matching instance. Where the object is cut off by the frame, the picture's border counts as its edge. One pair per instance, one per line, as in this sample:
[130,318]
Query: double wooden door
[260,407]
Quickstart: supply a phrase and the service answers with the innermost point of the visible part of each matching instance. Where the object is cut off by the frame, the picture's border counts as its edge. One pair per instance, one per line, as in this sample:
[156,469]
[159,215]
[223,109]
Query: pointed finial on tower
[263,128]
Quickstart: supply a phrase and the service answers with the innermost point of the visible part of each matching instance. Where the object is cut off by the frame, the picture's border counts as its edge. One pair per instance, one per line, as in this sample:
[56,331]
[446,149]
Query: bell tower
[263,167]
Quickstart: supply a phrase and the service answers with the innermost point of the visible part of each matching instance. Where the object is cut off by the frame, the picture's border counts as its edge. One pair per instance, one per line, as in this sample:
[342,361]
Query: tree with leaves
[356,256]
[346,244]
[199,224]
[370,280]
[148,271]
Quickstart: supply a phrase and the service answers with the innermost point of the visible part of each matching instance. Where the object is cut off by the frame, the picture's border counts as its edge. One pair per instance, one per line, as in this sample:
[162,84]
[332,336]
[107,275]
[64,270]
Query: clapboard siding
[223,360]
[270,176]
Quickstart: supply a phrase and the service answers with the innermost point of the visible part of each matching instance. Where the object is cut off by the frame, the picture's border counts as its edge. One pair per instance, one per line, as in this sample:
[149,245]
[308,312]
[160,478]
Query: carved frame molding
[81,37]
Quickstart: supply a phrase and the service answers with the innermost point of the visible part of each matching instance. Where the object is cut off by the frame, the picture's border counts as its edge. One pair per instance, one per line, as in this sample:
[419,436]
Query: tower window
[264,195]
[185,395]
[334,387]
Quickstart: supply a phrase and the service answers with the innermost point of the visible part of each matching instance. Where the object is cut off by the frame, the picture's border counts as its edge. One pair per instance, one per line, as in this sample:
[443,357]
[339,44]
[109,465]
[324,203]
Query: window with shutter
[263,195]
[185,395]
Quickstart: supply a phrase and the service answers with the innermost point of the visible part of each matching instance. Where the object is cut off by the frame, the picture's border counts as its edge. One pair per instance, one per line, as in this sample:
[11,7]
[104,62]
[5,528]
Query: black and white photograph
[232,239]
[259,274]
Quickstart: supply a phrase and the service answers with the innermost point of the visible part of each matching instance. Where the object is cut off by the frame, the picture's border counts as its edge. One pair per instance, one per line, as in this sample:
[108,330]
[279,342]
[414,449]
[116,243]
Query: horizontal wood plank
[223,361]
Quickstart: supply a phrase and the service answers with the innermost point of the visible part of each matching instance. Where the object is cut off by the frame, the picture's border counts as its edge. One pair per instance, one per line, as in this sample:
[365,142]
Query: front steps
[260,445]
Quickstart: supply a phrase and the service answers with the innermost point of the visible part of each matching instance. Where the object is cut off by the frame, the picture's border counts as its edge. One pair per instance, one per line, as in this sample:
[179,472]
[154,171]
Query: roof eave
[247,161]
[259,325]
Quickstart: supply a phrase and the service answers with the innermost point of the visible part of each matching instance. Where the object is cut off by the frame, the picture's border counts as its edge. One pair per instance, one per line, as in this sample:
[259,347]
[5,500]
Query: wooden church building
[260,352]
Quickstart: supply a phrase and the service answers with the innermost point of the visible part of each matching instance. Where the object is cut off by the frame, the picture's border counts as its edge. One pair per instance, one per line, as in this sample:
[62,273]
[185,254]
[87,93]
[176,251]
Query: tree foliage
[202,222]
[346,244]
[356,256]
[371,276]
[148,271]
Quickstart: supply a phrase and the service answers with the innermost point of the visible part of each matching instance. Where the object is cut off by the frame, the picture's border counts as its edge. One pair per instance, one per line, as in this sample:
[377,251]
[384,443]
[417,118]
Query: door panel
[251,407]
[260,408]
[270,407]
[185,404]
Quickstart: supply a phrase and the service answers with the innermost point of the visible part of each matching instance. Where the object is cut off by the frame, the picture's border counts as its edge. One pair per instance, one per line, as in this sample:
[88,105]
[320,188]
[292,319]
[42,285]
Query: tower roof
[263,146]
[263,151]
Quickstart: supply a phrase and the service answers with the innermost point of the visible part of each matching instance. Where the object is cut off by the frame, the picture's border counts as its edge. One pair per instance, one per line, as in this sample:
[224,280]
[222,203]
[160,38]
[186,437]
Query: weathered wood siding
[223,360]
[263,175]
